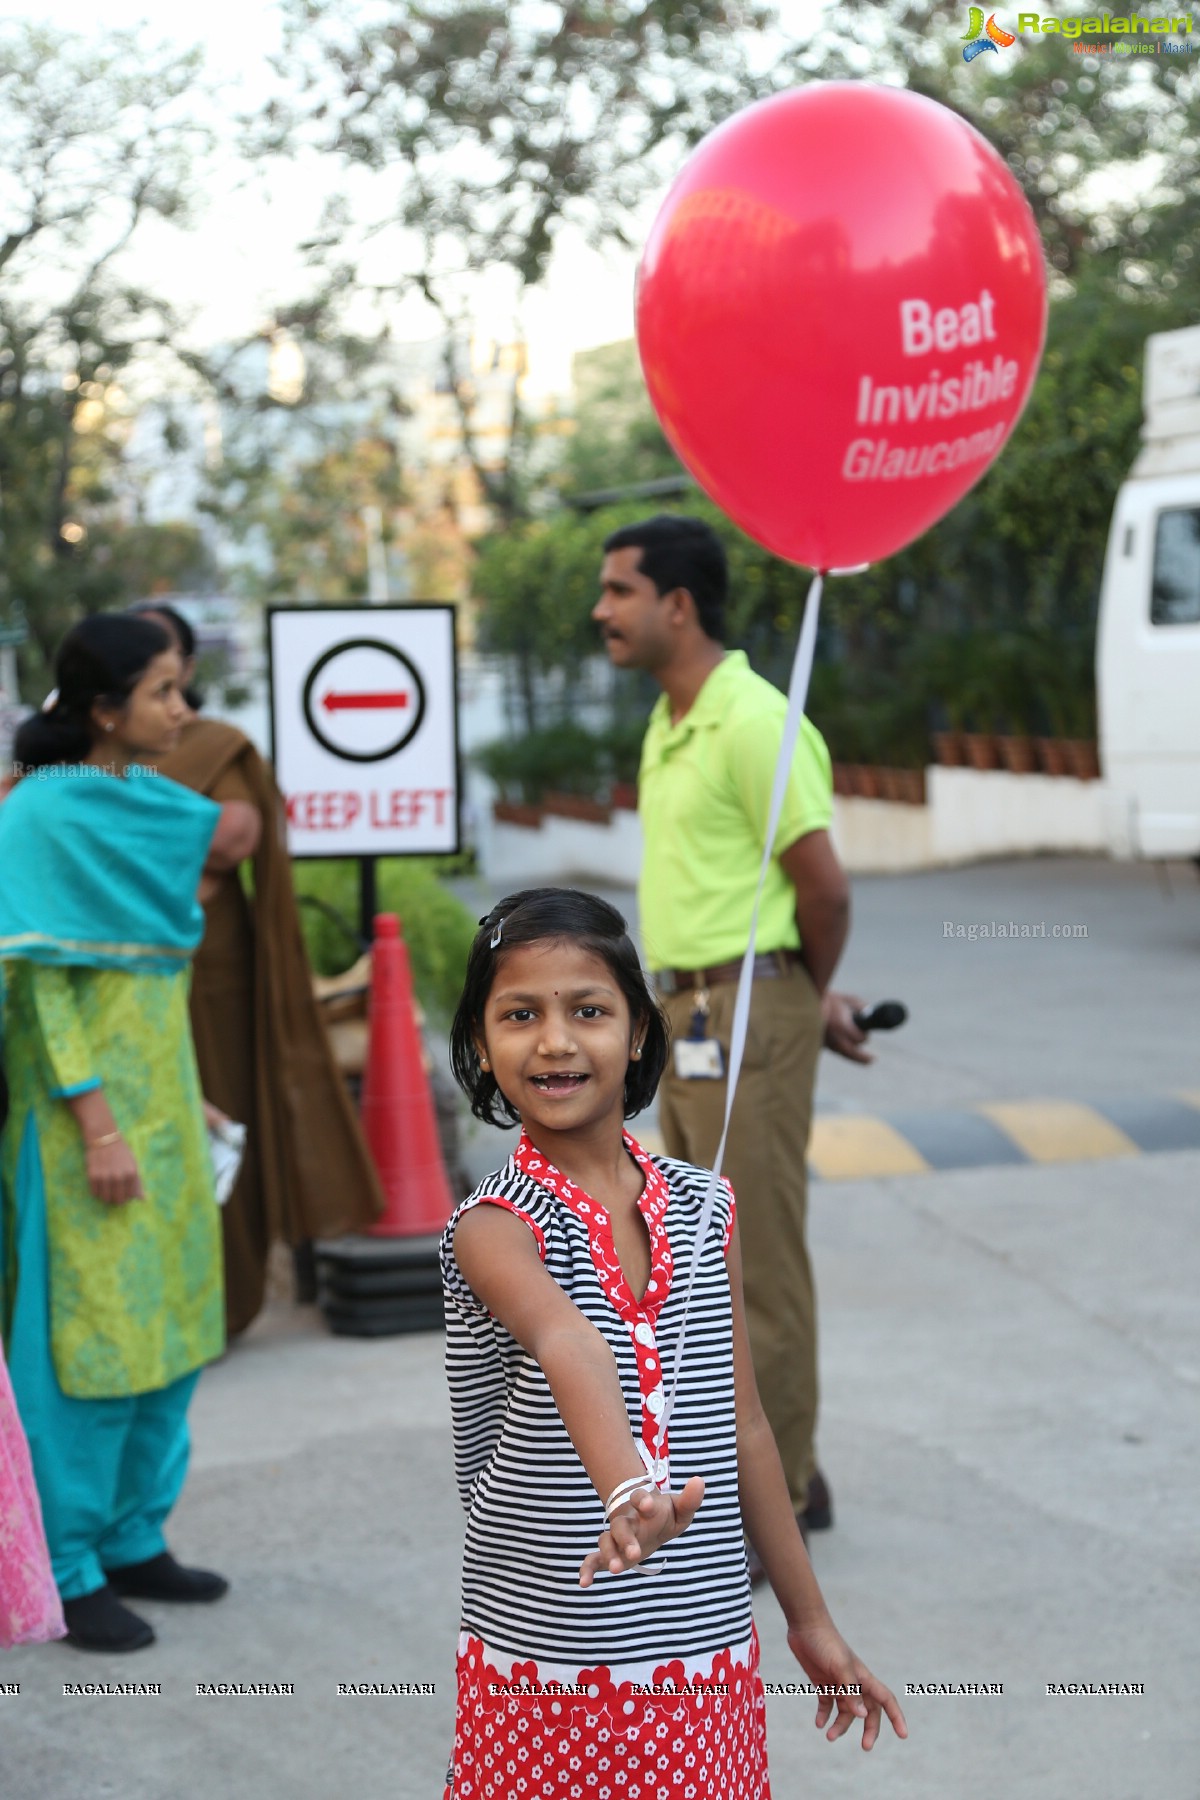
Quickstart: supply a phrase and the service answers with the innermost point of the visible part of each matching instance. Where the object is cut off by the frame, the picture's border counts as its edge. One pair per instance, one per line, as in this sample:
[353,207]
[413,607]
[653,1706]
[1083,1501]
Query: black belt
[768,965]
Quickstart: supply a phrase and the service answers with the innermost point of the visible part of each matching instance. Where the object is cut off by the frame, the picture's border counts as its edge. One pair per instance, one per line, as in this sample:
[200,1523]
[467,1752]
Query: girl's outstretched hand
[828,1661]
[644,1524]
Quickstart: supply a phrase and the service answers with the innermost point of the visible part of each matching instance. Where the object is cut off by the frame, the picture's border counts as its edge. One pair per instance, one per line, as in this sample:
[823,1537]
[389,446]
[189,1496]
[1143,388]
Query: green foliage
[623,747]
[307,514]
[865,717]
[565,758]
[1059,120]
[1049,497]
[991,614]
[617,440]
[985,624]
[473,133]
[492,123]
[437,927]
[145,560]
[96,142]
[539,582]
[1024,550]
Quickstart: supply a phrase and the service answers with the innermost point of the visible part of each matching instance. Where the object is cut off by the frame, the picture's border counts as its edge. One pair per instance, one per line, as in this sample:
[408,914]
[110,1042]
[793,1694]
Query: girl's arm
[771,1526]
[499,1260]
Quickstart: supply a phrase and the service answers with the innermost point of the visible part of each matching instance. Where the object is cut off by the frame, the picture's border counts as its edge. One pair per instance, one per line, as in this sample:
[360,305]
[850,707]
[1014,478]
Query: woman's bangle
[100,1143]
[625,1490]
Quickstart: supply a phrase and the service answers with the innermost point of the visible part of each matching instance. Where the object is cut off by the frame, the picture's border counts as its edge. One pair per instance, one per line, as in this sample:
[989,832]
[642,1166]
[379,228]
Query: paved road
[1108,1017]
[1011,1385]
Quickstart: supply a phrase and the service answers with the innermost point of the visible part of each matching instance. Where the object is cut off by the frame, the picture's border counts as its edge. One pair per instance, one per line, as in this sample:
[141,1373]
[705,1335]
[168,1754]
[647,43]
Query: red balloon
[840,311]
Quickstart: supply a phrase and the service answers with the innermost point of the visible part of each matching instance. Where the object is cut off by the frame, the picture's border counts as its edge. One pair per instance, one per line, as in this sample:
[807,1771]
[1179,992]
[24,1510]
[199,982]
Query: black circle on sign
[410,730]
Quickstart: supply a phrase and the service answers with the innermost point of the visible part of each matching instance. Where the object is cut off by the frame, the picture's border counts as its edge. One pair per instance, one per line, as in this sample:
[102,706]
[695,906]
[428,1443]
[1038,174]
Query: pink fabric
[30,1611]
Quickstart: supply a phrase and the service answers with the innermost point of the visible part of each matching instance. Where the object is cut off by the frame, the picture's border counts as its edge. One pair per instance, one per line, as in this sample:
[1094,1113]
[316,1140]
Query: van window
[1175,589]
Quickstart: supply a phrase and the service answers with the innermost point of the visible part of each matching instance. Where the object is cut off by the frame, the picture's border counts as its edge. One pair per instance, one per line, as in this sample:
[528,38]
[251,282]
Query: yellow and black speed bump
[855,1146]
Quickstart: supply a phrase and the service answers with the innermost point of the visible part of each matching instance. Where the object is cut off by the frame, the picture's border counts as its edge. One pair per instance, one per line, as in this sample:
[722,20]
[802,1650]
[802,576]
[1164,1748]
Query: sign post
[364,733]
[368,900]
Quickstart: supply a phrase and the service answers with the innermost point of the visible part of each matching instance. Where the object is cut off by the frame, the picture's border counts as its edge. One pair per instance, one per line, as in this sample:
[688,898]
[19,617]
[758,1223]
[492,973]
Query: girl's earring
[108,727]
[636,1054]
[484,1063]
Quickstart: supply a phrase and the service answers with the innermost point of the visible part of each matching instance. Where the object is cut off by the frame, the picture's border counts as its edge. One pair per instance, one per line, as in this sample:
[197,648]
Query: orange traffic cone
[397,1108]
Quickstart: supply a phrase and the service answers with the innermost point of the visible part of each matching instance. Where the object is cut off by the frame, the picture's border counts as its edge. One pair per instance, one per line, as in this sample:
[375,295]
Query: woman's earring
[484,1063]
[635,1055]
[108,727]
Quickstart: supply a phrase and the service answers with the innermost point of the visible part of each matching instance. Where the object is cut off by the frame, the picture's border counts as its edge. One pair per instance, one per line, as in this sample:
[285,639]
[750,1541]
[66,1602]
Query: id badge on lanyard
[699,1057]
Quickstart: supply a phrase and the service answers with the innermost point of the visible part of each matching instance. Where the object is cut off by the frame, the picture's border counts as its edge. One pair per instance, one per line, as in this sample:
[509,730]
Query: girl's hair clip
[494,940]
[51,701]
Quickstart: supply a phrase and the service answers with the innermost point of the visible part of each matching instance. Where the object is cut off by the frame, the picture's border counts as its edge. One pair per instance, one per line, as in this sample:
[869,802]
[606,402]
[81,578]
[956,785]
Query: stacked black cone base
[379,1287]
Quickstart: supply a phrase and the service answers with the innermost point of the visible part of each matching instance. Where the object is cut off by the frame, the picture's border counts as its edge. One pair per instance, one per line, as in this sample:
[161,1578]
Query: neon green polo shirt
[704,792]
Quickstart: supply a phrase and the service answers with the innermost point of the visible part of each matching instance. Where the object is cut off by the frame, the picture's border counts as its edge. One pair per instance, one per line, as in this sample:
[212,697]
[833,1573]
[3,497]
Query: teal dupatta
[101,871]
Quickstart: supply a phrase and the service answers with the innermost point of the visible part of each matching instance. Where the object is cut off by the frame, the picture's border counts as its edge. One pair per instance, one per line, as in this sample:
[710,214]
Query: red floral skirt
[671,1733]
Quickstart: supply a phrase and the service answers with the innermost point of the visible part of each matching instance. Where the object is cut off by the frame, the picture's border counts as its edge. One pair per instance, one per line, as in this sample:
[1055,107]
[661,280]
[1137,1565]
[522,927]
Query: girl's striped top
[532,1513]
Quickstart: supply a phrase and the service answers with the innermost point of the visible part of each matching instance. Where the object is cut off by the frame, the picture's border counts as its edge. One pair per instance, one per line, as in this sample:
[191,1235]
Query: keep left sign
[364,728]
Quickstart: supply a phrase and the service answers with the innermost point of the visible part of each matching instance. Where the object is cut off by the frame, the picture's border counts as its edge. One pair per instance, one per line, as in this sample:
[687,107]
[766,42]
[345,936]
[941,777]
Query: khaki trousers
[765,1162]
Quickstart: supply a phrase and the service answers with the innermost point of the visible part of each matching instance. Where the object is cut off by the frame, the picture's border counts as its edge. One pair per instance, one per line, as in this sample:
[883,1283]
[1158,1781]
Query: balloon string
[797,695]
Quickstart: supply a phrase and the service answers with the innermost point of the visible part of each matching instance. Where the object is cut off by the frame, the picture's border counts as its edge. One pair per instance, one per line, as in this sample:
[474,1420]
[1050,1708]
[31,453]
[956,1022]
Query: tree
[481,130]
[539,580]
[304,524]
[99,140]
[1080,133]
[484,121]
[991,613]
[145,560]
[617,440]
[96,140]
[1107,151]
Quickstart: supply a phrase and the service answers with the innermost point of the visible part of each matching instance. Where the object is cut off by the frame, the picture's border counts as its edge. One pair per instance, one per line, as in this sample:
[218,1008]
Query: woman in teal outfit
[110,1263]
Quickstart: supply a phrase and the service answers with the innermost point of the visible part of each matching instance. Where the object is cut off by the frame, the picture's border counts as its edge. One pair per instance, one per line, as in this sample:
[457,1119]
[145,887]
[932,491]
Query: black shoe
[98,1621]
[162,1578]
[818,1505]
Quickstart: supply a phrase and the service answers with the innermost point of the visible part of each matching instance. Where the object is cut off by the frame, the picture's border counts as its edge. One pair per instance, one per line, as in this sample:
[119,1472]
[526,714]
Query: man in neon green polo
[704,791]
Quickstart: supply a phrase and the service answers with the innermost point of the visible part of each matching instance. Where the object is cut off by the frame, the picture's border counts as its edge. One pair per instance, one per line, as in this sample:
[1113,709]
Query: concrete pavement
[1009,1422]
[1011,1397]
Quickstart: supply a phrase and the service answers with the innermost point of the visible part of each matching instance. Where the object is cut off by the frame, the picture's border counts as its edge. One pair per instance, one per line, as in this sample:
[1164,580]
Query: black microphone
[885,1015]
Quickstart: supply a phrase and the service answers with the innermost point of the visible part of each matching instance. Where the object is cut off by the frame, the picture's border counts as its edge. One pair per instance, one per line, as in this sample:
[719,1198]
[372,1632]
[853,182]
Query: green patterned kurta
[135,1290]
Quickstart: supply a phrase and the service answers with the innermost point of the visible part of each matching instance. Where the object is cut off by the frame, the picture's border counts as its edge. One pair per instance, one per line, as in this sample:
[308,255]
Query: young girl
[607,1649]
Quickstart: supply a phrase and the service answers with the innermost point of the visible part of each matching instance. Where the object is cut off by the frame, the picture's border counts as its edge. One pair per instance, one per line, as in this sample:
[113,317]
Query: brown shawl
[262,1049]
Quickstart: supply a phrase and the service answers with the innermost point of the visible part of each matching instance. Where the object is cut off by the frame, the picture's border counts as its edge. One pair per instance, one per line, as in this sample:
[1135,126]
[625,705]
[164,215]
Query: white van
[1148,642]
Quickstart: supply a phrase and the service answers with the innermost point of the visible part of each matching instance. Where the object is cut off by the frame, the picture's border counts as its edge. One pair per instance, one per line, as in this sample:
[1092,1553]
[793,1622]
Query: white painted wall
[971,814]
[977,813]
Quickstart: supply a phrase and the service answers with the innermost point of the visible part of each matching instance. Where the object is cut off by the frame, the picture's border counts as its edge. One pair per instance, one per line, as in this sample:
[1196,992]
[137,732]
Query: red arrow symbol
[363,702]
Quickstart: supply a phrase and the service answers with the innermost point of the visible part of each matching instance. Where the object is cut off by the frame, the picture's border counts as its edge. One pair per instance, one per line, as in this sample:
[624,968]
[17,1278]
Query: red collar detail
[652,1203]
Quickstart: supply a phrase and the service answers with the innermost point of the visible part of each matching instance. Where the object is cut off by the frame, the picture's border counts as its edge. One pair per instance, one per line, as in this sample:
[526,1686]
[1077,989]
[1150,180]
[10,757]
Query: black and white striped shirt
[532,1513]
